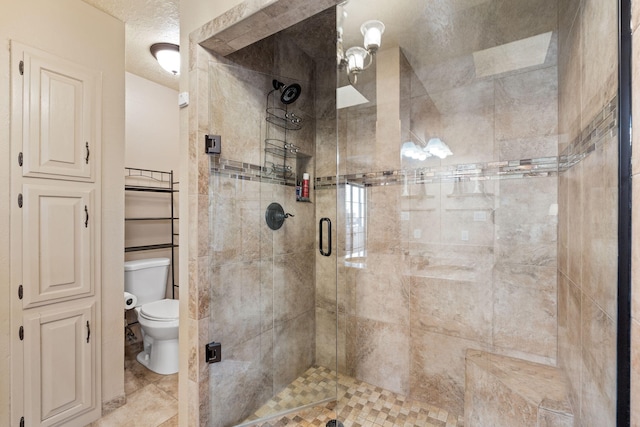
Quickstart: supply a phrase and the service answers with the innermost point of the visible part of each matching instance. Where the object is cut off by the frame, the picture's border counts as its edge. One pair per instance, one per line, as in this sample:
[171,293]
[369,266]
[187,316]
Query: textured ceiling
[146,22]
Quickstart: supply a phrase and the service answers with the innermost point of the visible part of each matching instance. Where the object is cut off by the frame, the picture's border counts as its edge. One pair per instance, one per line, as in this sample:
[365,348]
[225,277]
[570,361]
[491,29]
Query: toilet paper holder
[130,301]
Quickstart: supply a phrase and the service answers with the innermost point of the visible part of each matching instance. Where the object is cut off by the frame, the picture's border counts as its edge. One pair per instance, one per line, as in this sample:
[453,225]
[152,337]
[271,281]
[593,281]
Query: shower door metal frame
[623,386]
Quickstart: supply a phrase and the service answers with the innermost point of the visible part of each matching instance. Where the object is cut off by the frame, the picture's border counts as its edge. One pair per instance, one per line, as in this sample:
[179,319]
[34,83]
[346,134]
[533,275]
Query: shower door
[272,305]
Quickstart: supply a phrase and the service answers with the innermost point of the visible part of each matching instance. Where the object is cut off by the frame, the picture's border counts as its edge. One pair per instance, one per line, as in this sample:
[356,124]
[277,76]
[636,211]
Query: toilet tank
[146,279]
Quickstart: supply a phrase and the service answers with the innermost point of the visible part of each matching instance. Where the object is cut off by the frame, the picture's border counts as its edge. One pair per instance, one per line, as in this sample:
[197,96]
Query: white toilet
[158,317]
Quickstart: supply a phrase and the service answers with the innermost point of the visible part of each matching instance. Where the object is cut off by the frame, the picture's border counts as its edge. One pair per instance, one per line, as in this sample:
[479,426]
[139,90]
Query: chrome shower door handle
[321,240]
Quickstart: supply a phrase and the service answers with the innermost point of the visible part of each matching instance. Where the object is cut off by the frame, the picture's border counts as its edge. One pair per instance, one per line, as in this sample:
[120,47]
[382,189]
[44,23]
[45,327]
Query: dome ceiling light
[168,56]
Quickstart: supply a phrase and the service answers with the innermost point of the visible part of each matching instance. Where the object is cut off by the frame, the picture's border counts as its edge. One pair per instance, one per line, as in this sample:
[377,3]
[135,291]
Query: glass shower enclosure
[461,218]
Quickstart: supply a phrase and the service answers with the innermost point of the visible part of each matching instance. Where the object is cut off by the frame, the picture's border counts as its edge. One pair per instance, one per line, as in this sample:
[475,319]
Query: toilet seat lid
[166,309]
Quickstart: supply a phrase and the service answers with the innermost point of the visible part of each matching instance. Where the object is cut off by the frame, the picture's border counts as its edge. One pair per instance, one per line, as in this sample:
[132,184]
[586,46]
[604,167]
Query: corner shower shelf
[282,118]
[162,182]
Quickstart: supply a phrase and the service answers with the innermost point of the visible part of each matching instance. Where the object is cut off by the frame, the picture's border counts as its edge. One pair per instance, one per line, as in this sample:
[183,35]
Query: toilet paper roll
[130,301]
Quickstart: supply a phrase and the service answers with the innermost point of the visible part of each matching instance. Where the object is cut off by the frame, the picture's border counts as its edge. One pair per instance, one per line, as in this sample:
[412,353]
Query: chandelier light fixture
[357,59]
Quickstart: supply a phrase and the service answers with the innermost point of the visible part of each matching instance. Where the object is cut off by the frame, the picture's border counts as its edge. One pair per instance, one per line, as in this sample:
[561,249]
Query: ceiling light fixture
[435,147]
[356,59]
[167,55]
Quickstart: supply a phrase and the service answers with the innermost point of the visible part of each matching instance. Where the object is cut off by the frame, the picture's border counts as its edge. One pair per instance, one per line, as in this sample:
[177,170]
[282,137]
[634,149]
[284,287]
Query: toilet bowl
[159,323]
[157,316]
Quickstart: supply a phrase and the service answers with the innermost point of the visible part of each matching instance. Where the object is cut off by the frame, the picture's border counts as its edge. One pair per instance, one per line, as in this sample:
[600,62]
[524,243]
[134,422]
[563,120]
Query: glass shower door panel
[241,302]
[264,304]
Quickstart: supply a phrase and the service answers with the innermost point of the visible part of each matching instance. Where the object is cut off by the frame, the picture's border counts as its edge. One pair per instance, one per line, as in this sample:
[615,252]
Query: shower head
[289,93]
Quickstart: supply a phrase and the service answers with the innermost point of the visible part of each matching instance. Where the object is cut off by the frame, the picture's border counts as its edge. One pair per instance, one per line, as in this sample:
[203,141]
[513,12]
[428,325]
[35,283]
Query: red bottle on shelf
[305,185]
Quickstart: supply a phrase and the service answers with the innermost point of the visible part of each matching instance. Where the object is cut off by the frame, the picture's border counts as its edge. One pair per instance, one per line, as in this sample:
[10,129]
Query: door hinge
[21,68]
[20,291]
[20,200]
[20,159]
[21,421]
[21,333]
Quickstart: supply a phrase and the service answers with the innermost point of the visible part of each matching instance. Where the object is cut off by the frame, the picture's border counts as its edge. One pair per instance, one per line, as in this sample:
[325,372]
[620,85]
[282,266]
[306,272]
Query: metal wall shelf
[162,182]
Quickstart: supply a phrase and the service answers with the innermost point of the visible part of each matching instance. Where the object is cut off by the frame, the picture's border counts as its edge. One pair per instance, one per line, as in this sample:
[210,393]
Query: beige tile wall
[587,246]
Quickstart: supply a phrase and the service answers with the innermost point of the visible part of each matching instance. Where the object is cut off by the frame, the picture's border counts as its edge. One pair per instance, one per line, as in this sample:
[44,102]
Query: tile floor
[152,399]
[359,405]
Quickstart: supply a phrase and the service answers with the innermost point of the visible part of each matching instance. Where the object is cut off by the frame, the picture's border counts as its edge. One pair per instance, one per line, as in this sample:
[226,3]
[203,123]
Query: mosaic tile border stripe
[247,171]
[541,167]
[512,169]
[601,128]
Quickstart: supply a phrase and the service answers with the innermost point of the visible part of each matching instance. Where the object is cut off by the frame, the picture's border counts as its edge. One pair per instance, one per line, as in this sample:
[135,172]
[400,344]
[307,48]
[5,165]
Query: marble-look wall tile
[600,226]
[518,19]
[381,364]
[488,401]
[422,205]
[528,147]
[237,110]
[201,291]
[258,56]
[452,262]
[599,365]
[383,229]
[470,131]
[563,223]
[525,319]
[237,301]
[242,372]
[525,95]
[527,276]
[527,214]
[568,11]
[266,294]
[570,346]
[326,338]
[297,234]
[525,310]
[326,147]
[574,226]
[293,285]
[225,230]
[600,40]
[635,372]
[635,251]
[437,372]
[569,75]
[553,419]
[507,391]
[388,110]
[466,216]
[595,407]
[382,290]
[354,141]
[454,308]
[292,353]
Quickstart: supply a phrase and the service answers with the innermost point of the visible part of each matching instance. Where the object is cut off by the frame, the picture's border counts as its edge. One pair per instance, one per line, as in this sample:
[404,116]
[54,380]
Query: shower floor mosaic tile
[359,405]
